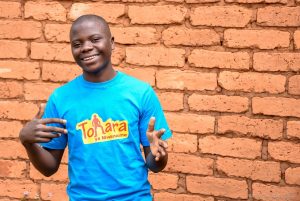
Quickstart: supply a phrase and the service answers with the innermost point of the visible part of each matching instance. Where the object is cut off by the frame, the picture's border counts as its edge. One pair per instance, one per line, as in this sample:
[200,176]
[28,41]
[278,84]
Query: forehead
[86,28]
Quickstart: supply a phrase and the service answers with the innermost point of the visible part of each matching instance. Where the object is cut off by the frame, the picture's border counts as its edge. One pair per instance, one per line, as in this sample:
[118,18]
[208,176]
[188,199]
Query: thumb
[41,111]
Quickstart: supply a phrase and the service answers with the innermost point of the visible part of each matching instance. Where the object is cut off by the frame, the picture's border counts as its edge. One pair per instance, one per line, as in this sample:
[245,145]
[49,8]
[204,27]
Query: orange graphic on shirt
[96,130]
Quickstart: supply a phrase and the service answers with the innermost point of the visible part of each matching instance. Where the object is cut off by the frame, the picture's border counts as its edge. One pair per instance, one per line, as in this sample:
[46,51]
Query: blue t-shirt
[106,124]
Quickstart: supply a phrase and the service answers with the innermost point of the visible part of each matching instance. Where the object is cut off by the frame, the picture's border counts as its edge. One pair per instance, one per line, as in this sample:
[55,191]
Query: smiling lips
[89,58]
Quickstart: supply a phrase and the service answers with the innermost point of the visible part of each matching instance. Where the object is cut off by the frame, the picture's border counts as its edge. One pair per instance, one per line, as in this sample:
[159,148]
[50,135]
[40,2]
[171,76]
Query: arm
[45,160]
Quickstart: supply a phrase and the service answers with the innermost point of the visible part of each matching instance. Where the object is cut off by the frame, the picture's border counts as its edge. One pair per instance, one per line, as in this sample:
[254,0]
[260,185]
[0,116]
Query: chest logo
[96,130]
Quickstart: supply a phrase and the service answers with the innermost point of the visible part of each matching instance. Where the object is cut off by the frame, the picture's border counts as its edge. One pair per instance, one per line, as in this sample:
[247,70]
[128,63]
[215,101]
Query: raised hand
[157,145]
[36,131]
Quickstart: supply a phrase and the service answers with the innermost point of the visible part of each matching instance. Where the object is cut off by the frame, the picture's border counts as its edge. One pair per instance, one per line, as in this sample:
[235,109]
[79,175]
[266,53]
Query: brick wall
[226,72]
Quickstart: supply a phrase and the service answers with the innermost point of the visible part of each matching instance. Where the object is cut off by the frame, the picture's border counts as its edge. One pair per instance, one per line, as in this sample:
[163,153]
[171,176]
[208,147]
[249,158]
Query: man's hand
[36,131]
[157,146]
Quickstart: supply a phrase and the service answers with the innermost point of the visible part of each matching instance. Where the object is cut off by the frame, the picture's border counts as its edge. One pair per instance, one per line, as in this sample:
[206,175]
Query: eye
[95,40]
[76,45]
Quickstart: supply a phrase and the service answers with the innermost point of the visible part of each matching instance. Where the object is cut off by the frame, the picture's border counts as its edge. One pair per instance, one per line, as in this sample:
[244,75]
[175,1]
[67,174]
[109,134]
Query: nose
[87,46]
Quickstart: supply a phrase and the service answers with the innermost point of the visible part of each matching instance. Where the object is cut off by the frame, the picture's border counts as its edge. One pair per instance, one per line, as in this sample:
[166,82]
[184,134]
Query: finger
[157,156]
[160,132]
[162,151]
[40,112]
[42,134]
[55,129]
[53,120]
[151,124]
[41,140]
[163,143]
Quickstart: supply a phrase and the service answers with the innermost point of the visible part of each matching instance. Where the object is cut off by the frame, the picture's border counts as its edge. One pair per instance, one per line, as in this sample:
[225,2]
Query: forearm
[156,166]
[42,159]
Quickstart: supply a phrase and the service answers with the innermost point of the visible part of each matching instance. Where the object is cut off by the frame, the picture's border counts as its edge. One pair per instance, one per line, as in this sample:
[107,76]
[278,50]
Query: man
[105,161]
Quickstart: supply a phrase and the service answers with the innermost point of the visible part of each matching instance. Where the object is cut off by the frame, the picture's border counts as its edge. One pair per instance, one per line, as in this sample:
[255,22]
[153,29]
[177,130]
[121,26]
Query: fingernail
[65,131]
[64,121]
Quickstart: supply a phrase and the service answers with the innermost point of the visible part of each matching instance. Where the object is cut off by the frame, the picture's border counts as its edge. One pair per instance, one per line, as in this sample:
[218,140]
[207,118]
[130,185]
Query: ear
[112,41]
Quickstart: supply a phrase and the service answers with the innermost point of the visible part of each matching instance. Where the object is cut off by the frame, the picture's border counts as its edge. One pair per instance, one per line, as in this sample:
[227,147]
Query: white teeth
[89,58]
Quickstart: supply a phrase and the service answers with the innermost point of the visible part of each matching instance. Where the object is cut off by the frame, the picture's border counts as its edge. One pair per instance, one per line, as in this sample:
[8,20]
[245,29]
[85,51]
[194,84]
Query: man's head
[91,43]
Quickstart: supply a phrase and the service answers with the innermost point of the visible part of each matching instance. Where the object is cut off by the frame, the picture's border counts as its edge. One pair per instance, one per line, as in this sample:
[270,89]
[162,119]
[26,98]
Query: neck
[101,76]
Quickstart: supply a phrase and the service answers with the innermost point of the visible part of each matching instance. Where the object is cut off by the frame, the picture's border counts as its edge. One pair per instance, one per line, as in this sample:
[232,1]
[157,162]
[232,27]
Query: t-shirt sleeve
[51,112]
[151,107]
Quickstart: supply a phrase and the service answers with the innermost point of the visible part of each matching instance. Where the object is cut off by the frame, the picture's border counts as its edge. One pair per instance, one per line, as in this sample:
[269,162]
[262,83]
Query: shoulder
[66,88]
[135,83]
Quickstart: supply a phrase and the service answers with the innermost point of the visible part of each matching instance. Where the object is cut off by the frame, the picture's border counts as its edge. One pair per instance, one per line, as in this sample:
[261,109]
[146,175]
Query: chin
[94,69]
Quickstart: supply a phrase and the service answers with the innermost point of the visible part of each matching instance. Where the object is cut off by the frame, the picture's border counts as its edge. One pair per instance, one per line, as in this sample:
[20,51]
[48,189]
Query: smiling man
[103,116]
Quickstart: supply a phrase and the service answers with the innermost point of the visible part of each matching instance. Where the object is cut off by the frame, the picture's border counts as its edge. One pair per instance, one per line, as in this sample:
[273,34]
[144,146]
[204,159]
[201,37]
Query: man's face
[91,45]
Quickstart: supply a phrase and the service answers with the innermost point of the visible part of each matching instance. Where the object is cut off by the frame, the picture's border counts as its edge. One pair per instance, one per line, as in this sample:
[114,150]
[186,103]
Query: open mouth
[89,57]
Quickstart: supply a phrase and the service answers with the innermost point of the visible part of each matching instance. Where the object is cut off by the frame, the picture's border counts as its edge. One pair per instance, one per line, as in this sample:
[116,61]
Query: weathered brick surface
[10,89]
[191,80]
[59,72]
[118,55]
[256,1]
[264,128]
[60,175]
[171,101]
[220,103]
[53,192]
[17,110]
[276,61]
[10,128]
[292,175]
[276,106]
[297,39]
[255,170]
[164,196]
[252,82]
[279,16]
[19,70]
[20,29]
[294,85]
[134,35]
[163,181]
[256,39]
[10,9]
[183,36]
[18,188]
[110,12]
[184,143]
[144,74]
[284,151]
[185,163]
[13,49]
[224,16]
[38,91]
[45,10]
[267,192]
[215,59]
[215,186]
[15,169]
[166,14]
[159,56]
[235,147]
[57,32]
[293,129]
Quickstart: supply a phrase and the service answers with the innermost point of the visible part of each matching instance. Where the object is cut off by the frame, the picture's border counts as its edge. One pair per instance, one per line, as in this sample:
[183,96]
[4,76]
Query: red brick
[293,129]
[216,186]
[59,72]
[9,168]
[219,103]
[165,14]
[8,199]
[18,189]
[292,175]
[284,151]
[276,106]
[118,55]
[17,110]
[165,196]
[12,150]
[294,85]
[45,11]
[223,16]
[214,59]
[297,39]
[191,164]
[48,51]
[255,170]
[10,89]
[60,175]
[13,49]
[279,16]
[235,147]
[145,74]
[192,123]
[194,37]
[10,128]
[264,128]
[185,143]
[159,56]
[163,181]
[135,35]
[275,193]
[256,39]
[20,29]
[138,1]
[263,61]
[39,91]
[10,9]
[19,70]
[191,80]
[65,157]
[53,192]
[57,32]
[257,1]
[110,12]
[252,82]
[171,101]
[201,1]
